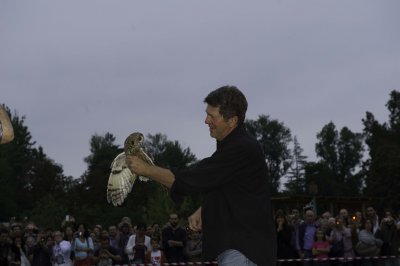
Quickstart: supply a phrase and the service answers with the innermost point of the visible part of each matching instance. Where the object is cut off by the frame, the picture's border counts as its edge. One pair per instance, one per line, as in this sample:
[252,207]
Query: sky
[78,68]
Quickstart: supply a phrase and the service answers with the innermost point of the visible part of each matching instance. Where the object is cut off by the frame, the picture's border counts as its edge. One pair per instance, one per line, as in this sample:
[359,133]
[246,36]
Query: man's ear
[233,121]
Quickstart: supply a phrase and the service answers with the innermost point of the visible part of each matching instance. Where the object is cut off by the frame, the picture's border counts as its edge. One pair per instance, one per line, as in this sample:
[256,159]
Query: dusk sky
[79,68]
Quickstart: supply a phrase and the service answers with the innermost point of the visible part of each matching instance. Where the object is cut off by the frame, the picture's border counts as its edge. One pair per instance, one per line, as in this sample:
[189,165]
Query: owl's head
[133,143]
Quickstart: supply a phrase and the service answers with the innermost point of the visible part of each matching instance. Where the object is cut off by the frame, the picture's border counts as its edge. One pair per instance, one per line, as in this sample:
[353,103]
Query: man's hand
[195,221]
[142,168]
[137,165]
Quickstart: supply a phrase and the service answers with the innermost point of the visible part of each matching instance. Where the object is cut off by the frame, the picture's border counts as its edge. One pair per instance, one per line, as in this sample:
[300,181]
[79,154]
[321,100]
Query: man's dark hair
[231,102]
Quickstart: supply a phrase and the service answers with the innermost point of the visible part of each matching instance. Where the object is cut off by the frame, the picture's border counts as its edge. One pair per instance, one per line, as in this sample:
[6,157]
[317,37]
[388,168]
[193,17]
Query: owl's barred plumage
[121,179]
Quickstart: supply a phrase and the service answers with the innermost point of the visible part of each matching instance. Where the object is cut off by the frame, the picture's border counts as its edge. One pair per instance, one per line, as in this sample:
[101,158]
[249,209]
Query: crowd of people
[23,243]
[342,239]
[303,238]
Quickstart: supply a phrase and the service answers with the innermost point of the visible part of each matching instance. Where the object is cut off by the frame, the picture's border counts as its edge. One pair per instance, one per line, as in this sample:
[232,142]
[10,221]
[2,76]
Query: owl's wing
[120,181]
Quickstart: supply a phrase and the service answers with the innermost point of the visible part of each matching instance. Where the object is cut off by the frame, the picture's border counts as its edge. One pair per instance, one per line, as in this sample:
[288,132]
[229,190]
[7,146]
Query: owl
[121,179]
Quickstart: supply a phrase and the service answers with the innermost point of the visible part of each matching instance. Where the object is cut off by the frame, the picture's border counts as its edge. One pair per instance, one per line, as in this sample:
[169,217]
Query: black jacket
[236,208]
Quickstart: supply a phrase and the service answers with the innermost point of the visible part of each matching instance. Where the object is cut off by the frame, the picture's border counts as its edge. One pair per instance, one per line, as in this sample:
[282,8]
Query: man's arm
[5,124]
[156,173]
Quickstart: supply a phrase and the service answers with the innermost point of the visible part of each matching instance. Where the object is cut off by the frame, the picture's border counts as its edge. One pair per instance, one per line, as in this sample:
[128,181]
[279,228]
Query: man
[6,129]
[344,215]
[389,233]
[370,214]
[113,236]
[174,240]
[235,216]
[41,253]
[306,236]
[106,255]
[5,247]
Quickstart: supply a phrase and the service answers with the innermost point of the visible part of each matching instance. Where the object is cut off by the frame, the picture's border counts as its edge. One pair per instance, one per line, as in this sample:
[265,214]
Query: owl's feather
[121,179]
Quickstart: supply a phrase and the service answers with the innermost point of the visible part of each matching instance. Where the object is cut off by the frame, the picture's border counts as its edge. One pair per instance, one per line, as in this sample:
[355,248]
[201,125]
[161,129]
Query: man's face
[112,230]
[295,213]
[343,213]
[219,128]
[173,219]
[370,212]
[309,216]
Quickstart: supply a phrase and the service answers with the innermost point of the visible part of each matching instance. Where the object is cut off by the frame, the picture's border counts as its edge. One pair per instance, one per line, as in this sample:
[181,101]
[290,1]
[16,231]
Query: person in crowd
[113,236]
[5,247]
[368,245]
[16,230]
[155,256]
[389,233]
[344,216]
[174,240]
[341,242]
[18,252]
[69,233]
[149,231]
[284,237]
[323,221]
[156,229]
[41,253]
[295,220]
[306,236]
[106,255]
[83,247]
[320,249]
[61,250]
[233,183]
[95,235]
[138,244]
[370,214]
[6,128]
[125,231]
[194,246]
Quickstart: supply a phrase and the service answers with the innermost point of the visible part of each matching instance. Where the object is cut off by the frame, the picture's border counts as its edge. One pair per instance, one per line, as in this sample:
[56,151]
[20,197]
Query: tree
[340,154]
[274,138]
[382,168]
[27,175]
[296,175]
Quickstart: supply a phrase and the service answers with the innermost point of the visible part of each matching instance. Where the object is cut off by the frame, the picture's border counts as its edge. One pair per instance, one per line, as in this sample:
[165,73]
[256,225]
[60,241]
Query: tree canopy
[349,163]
